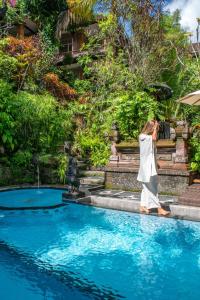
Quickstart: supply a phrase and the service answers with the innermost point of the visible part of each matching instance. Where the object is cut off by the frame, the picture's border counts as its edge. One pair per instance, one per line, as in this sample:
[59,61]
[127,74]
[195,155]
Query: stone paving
[131,195]
[130,201]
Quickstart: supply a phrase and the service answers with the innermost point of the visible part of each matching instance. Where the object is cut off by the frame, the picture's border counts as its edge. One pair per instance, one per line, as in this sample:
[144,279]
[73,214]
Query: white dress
[148,172]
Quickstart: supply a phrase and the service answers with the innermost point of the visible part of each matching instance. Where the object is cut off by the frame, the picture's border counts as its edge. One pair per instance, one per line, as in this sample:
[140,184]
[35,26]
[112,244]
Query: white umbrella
[191,99]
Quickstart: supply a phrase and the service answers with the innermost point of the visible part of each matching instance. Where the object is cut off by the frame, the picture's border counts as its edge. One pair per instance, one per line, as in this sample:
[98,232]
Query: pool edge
[177,211]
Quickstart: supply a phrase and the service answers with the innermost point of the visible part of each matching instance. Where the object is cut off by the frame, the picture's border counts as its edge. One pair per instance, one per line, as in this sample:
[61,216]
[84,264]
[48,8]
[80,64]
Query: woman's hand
[156,126]
[155,130]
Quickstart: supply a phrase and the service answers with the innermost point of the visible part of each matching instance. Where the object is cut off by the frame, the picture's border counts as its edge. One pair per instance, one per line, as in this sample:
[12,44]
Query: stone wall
[11,176]
[172,182]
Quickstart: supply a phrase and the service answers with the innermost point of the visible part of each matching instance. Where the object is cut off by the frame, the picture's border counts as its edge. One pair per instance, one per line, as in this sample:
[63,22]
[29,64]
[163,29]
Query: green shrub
[91,146]
[195,158]
[62,167]
[133,110]
[22,158]
[8,66]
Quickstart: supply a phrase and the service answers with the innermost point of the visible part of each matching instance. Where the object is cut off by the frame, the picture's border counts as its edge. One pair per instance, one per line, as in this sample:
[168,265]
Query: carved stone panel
[165,157]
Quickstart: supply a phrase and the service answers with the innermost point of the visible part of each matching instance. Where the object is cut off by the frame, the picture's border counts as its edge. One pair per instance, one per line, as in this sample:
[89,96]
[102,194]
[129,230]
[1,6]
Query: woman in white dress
[148,169]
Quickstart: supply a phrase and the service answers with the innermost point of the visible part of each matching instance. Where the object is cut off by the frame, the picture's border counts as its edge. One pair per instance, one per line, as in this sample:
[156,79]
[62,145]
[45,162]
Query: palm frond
[62,23]
[82,10]
[78,11]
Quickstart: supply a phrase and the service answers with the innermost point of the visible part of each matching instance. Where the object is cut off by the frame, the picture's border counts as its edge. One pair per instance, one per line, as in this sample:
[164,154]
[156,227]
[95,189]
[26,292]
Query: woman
[148,169]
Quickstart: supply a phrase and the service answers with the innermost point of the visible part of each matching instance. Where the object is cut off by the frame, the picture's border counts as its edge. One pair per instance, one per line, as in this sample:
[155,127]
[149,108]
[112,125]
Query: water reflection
[45,280]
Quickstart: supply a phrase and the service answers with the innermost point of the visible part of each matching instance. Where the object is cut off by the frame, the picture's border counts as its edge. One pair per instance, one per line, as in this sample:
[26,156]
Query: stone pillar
[182,136]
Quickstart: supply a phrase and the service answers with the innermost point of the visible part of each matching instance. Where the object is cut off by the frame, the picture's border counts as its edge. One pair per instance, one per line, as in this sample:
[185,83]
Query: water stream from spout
[38,176]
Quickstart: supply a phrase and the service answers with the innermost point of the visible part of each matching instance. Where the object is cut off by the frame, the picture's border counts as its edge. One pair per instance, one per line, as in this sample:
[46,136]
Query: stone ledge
[135,144]
[191,213]
[172,172]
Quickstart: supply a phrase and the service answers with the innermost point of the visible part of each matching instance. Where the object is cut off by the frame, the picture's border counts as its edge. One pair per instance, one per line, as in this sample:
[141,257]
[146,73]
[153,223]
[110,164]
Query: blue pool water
[26,198]
[81,252]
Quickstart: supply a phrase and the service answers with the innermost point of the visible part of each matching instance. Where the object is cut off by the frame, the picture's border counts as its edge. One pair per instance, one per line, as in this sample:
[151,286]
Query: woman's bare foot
[163,212]
[143,209]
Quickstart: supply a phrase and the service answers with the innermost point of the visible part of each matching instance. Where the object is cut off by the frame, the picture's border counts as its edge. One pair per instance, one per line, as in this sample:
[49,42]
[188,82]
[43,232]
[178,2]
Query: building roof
[30,28]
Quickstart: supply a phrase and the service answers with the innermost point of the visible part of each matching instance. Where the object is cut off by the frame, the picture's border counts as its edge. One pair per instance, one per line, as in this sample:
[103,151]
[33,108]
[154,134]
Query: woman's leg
[152,199]
[143,201]
[152,193]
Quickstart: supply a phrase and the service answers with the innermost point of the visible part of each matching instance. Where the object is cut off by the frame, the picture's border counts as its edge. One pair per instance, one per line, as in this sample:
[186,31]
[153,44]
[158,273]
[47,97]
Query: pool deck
[121,200]
[130,201]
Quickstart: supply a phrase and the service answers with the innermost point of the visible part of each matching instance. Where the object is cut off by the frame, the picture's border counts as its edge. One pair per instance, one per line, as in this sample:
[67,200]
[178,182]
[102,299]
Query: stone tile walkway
[131,195]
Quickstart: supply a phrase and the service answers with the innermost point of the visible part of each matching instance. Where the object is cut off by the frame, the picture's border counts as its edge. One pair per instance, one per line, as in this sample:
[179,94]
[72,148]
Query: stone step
[92,180]
[191,196]
[90,173]
[191,203]
[90,187]
[197,181]
[82,165]
[194,186]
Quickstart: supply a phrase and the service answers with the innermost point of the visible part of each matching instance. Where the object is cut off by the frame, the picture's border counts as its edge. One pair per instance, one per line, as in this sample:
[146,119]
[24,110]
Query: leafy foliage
[34,122]
[195,159]
[93,147]
[58,88]
[63,164]
[16,12]
[22,158]
[135,46]
[19,58]
[7,122]
[132,111]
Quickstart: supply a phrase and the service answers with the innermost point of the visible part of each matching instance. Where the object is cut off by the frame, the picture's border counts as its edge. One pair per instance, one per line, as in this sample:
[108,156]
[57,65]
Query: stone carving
[172,134]
[115,136]
[113,149]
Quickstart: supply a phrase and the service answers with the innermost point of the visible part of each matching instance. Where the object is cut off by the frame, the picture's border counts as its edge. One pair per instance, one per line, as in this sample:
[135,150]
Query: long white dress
[148,172]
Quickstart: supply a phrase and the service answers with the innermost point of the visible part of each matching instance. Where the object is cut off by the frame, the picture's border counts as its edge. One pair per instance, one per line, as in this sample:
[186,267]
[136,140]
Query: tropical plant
[59,13]
[7,122]
[16,12]
[63,161]
[19,58]
[22,158]
[34,122]
[195,155]
[133,110]
[92,146]
[78,12]
[59,89]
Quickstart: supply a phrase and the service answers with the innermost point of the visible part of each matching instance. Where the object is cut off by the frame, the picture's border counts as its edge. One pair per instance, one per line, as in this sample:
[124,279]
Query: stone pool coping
[130,202]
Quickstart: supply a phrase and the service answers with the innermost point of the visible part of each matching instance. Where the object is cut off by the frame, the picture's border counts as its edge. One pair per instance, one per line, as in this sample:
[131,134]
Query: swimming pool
[81,252]
[31,198]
